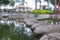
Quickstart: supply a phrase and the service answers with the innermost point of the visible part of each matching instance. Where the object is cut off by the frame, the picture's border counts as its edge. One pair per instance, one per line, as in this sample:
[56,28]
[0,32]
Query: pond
[10,30]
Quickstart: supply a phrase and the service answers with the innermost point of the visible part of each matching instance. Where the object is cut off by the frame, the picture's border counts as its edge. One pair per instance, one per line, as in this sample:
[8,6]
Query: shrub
[42,11]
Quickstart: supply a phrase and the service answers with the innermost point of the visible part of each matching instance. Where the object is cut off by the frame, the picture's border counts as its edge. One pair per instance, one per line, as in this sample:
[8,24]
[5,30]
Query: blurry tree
[20,1]
[40,3]
[53,2]
[12,2]
[4,2]
[36,4]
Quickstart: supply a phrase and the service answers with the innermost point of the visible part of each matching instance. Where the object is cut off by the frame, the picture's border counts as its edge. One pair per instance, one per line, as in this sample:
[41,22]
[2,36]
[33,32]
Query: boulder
[39,23]
[47,29]
[51,36]
[30,21]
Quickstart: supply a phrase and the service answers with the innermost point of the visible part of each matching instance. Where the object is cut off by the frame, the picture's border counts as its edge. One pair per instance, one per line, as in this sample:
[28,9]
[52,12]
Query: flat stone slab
[43,16]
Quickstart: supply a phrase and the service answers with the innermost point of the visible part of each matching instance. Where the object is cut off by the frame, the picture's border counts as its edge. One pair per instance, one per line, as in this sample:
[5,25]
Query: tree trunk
[35,4]
[23,5]
[55,10]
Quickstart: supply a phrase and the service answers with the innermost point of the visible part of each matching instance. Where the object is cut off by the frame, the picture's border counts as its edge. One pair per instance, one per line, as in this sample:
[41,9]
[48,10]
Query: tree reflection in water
[13,32]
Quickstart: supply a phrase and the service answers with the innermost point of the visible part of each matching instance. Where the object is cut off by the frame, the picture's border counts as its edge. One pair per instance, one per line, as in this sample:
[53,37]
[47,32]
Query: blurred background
[29,19]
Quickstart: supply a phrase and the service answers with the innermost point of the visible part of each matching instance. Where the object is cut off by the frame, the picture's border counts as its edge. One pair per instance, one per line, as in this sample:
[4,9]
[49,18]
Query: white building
[22,8]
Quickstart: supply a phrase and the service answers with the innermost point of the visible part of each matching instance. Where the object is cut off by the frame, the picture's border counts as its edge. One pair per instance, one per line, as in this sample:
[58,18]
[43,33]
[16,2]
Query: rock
[51,36]
[54,16]
[43,16]
[47,29]
[30,21]
[40,23]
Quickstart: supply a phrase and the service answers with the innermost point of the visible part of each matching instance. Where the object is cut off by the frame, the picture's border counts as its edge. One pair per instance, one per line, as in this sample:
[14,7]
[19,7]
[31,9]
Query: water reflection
[19,28]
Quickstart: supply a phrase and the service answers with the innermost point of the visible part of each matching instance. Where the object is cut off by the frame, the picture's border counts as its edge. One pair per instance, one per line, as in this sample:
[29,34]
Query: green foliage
[8,31]
[4,2]
[42,11]
[53,2]
[49,21]
[12,2]
[5,30]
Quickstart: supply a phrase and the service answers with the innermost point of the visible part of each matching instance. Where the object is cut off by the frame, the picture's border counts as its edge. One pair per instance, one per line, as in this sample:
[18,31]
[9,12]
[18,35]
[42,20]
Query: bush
[42,11]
